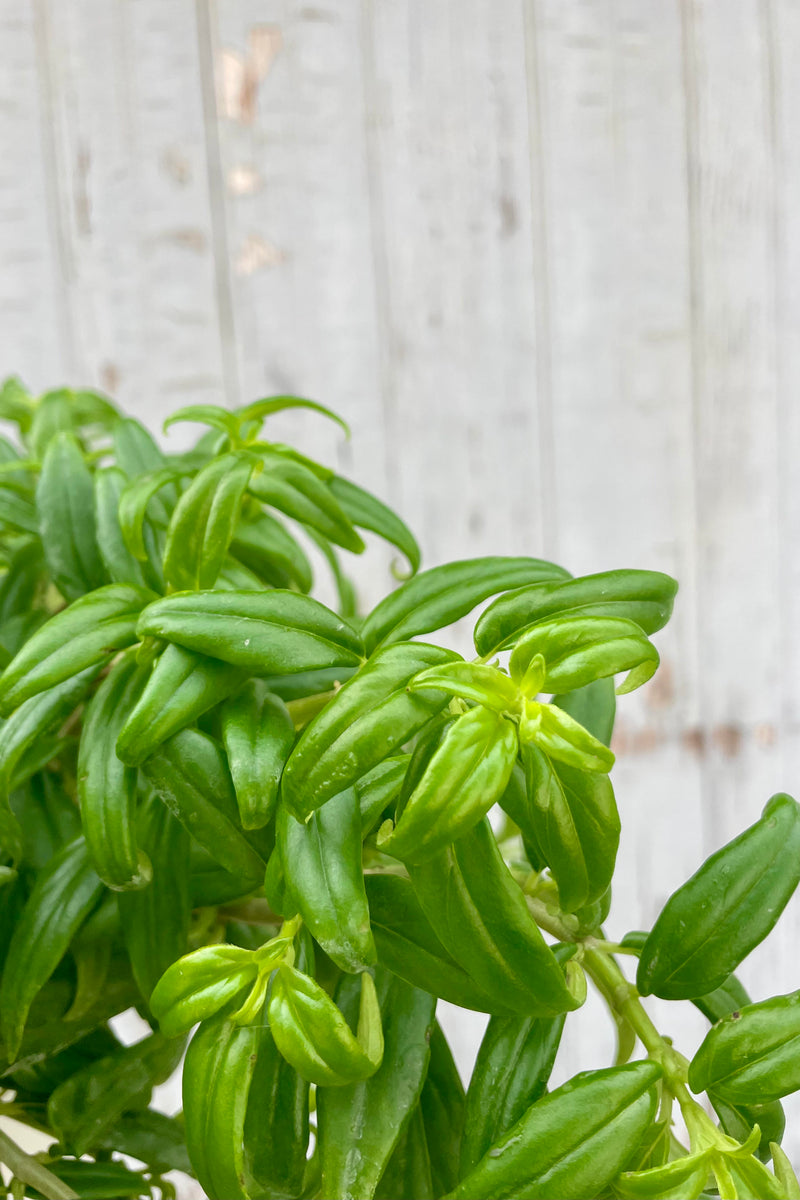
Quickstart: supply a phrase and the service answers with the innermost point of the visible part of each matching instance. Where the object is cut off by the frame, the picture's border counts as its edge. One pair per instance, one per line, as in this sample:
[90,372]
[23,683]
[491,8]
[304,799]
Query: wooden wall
[543,254]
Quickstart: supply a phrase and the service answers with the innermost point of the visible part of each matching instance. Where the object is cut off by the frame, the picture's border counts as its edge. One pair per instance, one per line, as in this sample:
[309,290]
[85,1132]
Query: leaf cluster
[265,824]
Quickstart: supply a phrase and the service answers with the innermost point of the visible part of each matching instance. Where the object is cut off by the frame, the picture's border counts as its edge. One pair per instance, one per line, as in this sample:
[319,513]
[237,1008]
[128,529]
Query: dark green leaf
[66,891]
[360,1125]
[65,505]
[441,595]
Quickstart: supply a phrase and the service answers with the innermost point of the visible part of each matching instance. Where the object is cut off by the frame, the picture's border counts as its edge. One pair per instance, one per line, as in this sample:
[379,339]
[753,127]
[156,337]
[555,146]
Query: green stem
[32,1172]
[626,1006]
[626,1002]
[549,917]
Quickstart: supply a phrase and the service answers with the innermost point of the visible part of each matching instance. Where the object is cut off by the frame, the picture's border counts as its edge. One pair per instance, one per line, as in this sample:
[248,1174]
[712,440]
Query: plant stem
[627,1009]
[626,1001]
[626,1006]
[32,1172]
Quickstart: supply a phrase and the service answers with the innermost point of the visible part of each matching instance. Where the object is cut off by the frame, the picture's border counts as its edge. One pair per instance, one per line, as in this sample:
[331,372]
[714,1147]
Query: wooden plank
[132,192]
[34,320]
[608,89]
[293,161]
[451,171]
[731,203]
[773,967]
[782,31]
[739,205]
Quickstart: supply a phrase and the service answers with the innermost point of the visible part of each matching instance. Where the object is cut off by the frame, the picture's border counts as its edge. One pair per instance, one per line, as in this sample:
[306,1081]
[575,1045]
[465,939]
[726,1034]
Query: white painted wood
[732,215]
[35,328]
[609,98]
[452,170]
[298,206]
[545,257]
[131,194]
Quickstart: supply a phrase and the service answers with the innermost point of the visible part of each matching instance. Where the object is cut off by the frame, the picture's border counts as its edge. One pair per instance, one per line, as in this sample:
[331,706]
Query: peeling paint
[660,692]
[244,180]
[189,239]
[176,165]
[239,75]
[255,253]
[728,739]
[109,376]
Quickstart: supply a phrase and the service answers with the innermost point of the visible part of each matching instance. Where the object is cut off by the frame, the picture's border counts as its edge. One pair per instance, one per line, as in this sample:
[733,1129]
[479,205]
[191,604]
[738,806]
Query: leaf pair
[642,597]
[370,718]
[478,912]
[570,819]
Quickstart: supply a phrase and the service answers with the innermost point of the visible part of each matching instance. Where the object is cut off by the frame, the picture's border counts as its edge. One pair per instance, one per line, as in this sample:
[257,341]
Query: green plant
[231,807]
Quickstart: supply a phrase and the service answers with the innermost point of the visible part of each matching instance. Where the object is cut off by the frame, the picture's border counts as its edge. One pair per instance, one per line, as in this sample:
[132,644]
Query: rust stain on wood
[240,75]
[255,253]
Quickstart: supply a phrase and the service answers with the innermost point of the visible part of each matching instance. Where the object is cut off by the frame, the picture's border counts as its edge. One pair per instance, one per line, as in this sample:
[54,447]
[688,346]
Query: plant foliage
[264,824]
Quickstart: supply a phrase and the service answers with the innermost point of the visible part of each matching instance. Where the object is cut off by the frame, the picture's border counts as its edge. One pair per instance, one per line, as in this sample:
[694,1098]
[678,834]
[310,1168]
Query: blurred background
[544,255]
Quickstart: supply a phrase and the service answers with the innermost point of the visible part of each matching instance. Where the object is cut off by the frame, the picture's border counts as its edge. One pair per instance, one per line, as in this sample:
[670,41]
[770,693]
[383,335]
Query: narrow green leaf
[265,546]
[478,912]
[203,523]
[408,1171]
[199,985]
[66,891]
[313,1035]
[25,727]
[86,634]
[370,718]
[727,907]
[437,597]
[16,403]
[121,566]
[134,501]
[292,488]
[511,1073]
[645,597]
[53,414]
[561,737]
[570,1143]
[206,414]
[269,633]
[258,735]
[441,1105]
[408,947]
[751,1056]
[259,410]
[579,650]
[182,686]
[367,512]
[276,1126]
[594,707]
[106,787]
[155,919]
[471,681]
[322,865]
[466,775]
[571,816]
[360,1125]
[190,774]
[66,511]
